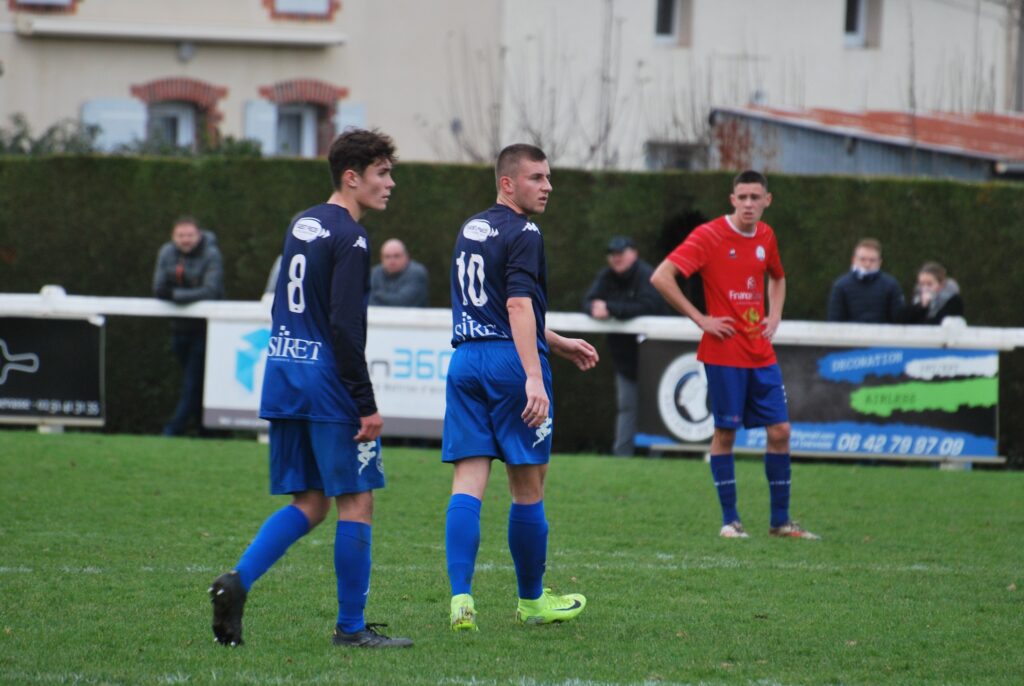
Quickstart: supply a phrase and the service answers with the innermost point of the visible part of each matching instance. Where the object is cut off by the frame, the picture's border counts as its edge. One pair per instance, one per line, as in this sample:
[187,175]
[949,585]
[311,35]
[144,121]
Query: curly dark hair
[357,149]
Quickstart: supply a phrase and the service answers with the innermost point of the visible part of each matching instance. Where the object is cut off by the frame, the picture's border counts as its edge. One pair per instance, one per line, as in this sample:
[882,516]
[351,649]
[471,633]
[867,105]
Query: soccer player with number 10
[499,387]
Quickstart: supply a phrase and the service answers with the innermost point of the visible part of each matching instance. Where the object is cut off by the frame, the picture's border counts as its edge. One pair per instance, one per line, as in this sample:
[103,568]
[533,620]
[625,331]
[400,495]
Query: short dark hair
[510,157]
[357,149]
[186,219]
[750,176]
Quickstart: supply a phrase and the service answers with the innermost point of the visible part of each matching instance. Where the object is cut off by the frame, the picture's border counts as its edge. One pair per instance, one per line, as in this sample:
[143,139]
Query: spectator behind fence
[398,281]
[623,290]
[936,296]
[866,294]
[188,269]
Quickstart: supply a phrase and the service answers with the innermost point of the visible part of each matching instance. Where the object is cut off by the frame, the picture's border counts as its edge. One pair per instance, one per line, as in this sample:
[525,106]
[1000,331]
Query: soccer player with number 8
[317,394]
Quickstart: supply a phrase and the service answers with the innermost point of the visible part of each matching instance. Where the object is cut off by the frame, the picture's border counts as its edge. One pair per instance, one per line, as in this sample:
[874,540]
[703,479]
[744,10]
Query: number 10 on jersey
[471,279]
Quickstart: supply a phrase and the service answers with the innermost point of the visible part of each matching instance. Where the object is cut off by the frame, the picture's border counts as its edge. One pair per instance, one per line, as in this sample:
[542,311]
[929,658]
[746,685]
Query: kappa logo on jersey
[308,229]
[367,452]
[530,226]
[479,230]
[732,253]
[760,253]
[543,431]
[471,328]
[360,243]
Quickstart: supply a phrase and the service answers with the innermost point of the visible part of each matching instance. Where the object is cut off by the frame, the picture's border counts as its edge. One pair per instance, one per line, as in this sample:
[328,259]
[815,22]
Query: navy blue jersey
[499,254]
[316,362]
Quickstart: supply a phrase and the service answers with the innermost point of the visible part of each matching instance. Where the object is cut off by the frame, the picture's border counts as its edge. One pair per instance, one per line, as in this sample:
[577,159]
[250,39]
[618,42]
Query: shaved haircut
[511,156]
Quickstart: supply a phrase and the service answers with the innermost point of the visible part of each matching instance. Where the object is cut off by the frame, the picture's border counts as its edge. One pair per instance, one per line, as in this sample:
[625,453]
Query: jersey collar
[728,220]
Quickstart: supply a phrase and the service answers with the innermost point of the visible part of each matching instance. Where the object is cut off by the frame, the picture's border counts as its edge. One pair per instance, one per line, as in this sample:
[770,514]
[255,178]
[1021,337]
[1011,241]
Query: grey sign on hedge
[914,403]
[51,370]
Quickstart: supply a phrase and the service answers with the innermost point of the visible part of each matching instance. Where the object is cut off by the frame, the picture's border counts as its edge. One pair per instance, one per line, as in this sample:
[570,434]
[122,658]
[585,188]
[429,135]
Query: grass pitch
[108,543]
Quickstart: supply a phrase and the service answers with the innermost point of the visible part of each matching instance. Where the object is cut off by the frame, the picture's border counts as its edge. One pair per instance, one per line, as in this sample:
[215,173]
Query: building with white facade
[633,82]
[620,84]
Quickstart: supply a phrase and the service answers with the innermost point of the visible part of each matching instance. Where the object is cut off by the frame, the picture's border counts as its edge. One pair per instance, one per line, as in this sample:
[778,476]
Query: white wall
[784,52]
[510,70]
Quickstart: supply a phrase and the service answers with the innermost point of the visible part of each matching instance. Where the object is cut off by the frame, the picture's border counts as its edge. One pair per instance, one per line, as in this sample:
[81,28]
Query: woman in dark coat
[936,297]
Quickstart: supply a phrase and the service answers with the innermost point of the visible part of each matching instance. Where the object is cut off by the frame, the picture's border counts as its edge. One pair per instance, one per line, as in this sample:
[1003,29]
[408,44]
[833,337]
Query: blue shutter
[261,124]
[122,121]
[348,116]
[315,7]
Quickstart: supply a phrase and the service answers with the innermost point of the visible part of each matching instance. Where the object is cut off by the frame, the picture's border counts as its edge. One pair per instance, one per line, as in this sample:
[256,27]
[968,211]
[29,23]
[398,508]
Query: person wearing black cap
[623,290]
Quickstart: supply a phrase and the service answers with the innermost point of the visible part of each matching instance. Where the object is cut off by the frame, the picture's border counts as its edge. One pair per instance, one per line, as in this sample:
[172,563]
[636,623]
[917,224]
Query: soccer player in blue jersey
[499,387]
[324,424]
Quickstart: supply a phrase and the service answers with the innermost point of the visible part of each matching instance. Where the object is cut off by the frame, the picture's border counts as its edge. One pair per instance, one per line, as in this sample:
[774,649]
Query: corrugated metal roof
[996,137]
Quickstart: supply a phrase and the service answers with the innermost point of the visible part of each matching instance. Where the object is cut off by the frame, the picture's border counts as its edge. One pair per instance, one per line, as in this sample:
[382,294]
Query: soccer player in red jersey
[732,254]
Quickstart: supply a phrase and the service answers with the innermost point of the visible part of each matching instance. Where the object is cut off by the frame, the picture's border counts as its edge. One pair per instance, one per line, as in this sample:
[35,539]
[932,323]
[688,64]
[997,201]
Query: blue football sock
[528,542]
[776,468]
[723,471]
[462,541]
[279,531]
[352,567]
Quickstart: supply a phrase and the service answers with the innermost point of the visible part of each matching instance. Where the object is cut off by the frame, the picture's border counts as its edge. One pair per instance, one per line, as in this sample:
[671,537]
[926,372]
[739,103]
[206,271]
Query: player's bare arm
[776,299]
[664,280]
[524,333]
[576,350]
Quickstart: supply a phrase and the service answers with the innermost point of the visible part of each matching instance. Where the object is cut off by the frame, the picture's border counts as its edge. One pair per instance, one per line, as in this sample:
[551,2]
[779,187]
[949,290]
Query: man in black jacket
[866,294]
[188,269]
[623,290]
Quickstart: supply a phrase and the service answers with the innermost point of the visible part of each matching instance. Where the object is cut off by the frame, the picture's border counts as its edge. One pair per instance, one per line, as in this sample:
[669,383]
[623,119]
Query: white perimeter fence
[408,346]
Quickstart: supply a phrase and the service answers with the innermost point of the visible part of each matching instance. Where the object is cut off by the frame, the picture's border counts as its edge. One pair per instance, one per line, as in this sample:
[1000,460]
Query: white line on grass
[329,678]
[614,563]
[706,563]
[9,677]
[524,681]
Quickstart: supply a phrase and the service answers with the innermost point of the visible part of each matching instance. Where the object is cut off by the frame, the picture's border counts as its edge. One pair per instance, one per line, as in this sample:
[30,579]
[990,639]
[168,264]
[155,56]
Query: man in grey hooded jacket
[188,269]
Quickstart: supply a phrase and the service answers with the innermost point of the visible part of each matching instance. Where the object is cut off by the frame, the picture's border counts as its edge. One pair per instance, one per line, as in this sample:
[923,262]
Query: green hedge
[93,225]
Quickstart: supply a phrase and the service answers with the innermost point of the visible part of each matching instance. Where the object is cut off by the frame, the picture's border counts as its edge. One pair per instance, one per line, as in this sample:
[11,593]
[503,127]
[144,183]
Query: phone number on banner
[903,440]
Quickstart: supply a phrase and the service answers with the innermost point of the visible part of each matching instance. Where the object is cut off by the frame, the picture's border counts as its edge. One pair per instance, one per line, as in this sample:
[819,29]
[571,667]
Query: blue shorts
[322,456]
[751,397]
[485,397]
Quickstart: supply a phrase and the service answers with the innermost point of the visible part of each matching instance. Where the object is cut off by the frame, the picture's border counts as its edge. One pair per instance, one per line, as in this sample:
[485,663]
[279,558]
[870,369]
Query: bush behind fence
[93,225]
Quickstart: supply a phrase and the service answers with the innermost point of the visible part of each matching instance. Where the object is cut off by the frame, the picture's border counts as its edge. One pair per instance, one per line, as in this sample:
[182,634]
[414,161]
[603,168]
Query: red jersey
[732,267]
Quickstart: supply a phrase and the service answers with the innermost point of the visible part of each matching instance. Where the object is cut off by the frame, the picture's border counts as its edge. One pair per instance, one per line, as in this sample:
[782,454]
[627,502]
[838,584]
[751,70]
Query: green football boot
[550,608]
[463,613]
